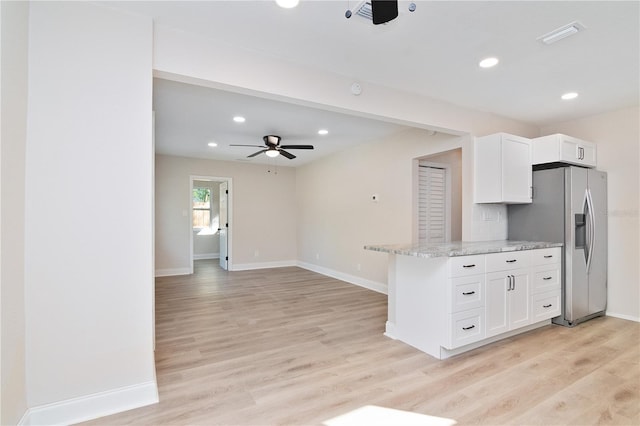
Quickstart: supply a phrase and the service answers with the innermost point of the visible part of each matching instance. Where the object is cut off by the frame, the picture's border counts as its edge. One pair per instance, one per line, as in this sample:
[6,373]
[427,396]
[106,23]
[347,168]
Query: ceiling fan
[273,148]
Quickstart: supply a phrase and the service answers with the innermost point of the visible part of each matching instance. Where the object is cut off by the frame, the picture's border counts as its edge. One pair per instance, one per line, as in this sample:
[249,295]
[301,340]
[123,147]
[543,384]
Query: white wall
[88,253]
[617,135]
[14,40]
[207,245]
[186,57]
[263,212]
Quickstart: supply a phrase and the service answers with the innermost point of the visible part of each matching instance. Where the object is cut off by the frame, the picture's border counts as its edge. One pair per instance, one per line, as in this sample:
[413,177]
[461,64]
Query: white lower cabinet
[546,286]
[448,306]
[508,303]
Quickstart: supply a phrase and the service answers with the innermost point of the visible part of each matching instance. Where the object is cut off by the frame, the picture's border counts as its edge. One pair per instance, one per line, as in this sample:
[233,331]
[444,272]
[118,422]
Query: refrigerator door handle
[592,228]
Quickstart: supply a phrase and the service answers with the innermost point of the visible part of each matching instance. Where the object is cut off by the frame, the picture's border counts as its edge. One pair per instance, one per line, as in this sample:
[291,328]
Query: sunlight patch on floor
[372,415]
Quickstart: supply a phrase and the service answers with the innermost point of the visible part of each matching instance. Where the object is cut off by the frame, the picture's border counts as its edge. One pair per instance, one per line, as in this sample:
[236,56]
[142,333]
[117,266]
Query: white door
[433,212]
[224,225]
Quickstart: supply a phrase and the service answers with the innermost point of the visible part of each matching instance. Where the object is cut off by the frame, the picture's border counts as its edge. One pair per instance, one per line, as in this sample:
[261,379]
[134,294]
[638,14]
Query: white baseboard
[351,279]
[24,421]
[622,316]
[204,256]
[172,271]
[262,265]
[90,407]
[390,330]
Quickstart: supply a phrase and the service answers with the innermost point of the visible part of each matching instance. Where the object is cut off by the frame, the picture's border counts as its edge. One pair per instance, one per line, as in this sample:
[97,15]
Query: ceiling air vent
[562,32]
[364,10]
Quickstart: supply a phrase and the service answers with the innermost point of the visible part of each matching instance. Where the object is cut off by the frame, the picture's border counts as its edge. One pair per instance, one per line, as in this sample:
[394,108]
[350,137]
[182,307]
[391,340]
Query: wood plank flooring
[289,346]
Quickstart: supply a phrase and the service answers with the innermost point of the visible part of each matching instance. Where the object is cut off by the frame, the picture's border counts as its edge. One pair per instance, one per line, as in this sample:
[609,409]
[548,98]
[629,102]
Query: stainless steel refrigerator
[570,206]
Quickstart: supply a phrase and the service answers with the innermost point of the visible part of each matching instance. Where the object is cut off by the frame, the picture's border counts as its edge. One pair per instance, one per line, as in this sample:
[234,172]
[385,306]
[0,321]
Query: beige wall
[14,39]
[336,216]
[262,222]
[88,206]
[617,135]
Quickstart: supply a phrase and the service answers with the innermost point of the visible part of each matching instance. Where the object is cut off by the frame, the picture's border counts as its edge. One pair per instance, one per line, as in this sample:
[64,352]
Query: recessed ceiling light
[323,132]
[212,144]
[570,95]
[287,4]
[239,119]
[488,62]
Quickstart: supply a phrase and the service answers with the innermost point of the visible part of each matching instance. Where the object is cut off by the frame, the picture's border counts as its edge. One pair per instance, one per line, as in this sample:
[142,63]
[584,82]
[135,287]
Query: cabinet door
[518,300]
[502,169]
[570,151]
[579,152]
[496,320]
[516,170]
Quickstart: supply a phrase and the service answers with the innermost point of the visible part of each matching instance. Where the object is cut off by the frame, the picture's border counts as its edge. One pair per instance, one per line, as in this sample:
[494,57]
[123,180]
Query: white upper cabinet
[502,169]
[564,149]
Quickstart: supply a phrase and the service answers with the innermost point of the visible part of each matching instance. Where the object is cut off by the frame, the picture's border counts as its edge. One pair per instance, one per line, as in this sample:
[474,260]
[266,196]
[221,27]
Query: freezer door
[597,272]
[576,285]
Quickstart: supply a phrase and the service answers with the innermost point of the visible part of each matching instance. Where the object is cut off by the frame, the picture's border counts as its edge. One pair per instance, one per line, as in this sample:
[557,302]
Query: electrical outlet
[359,267]
[317,256]
[256,253]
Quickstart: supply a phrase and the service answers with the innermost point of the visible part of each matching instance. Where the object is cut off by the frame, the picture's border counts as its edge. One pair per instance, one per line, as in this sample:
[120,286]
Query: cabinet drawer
[546,278]
[466,293]
[466,265]
[466,327]
[508,260]
[546,256]
[545,306]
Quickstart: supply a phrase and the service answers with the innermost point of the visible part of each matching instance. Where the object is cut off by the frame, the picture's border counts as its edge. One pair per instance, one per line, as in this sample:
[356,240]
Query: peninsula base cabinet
[448,305]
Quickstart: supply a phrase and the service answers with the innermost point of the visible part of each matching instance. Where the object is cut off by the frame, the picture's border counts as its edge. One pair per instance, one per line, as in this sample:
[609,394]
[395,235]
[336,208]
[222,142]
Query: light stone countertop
[460,248]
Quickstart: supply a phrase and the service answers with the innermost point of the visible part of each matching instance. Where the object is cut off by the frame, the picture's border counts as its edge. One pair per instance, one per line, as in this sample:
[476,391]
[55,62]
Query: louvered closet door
[432,205]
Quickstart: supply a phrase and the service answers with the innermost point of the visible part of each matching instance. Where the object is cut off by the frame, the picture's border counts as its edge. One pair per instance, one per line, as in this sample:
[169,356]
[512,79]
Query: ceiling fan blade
[257,153]
[255,146]
[296,146]
[287,154]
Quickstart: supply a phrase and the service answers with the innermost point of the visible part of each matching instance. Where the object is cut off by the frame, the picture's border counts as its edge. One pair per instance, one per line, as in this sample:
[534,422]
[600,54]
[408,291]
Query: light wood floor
[288,346]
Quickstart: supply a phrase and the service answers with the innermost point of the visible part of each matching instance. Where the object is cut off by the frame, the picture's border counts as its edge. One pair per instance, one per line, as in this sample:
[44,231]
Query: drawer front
[546,278]
[467,293]
[546,256]
[461,266]
[545,305]
[466,327]
[508,260]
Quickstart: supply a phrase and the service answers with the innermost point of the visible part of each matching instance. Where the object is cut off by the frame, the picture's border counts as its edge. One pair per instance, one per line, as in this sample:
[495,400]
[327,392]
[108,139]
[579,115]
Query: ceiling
[433,51]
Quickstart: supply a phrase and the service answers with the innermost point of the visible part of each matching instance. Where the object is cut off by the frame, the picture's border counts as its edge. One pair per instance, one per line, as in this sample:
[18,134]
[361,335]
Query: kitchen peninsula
[448,298]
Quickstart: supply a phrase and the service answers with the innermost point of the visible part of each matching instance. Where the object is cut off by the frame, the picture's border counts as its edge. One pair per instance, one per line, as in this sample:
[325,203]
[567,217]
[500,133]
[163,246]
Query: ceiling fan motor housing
[271,140]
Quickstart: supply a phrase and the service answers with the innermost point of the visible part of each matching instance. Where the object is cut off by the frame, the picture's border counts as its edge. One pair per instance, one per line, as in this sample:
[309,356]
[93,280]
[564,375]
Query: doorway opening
[210,226]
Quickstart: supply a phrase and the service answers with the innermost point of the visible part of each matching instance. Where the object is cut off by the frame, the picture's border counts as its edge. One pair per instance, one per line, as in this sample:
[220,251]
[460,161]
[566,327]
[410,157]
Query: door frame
[217,179]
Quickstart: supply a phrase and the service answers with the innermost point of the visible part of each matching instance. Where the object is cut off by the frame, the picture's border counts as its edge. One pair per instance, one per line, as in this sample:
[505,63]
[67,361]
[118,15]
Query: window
[201,208]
